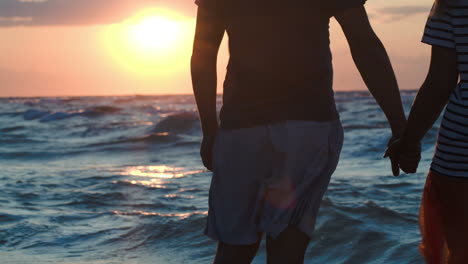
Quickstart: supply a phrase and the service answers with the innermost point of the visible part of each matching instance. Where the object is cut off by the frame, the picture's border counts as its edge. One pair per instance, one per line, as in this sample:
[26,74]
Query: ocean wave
[47,101]
[370,209]
[124,100]
[365,127]
[39,155]
[94,200]
[190,190]
[358,230]
[99,129]
[185,144]
[152,138]
[17,139]
[384,213]
[150,109]
[162,227]
[90,238]
[57,116]
[49,116]
[97,179]
[27,196]
[12,129]
[180,123]
[97,111]
[395,185]
[11,114]
[147,206]
[8,218]
[73,218]
[32,114]
[19,235]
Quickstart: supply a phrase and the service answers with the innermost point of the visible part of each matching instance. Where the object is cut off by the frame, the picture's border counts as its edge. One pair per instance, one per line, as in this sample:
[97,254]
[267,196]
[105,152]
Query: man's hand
[392,152]
[206,150]
[403,156]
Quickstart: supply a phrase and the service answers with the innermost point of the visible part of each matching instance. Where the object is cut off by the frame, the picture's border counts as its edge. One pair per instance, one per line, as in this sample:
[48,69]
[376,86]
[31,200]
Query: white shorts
[267,178]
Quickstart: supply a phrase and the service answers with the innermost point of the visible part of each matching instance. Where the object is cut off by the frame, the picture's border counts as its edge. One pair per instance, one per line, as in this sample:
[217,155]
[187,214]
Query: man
[280,137]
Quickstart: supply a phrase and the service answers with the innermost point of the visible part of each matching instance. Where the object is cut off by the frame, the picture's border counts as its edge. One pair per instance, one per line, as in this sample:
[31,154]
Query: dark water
[119,180]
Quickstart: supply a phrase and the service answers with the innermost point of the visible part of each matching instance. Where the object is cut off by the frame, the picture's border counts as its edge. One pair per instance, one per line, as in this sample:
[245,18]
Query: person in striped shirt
[444,210]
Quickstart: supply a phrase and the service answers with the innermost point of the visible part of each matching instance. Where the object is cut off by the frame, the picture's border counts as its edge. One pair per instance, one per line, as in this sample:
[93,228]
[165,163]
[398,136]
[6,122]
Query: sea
[118,179]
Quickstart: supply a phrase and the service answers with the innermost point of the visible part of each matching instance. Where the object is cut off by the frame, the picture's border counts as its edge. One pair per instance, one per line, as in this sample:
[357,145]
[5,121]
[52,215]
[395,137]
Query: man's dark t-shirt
[280,65]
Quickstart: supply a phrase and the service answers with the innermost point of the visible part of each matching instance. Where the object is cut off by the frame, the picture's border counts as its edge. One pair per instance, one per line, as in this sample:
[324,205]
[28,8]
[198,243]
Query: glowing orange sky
[79,60]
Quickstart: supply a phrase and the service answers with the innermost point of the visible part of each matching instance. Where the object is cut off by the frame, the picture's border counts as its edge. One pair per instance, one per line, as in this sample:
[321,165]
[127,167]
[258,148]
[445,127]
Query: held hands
[403,155]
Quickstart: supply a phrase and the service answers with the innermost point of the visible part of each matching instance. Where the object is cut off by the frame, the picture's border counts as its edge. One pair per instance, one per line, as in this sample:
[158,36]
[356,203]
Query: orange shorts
[443,219]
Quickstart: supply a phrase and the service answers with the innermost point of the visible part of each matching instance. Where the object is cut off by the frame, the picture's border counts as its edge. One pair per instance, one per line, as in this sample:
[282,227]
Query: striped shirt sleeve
[439,29]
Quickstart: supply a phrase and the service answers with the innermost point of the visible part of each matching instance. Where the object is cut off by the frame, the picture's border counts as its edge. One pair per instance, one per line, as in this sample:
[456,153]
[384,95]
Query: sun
[153,42]
[155,34]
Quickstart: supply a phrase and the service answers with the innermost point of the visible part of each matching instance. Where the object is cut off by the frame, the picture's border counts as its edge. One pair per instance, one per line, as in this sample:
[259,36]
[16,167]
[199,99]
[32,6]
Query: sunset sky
[126,47]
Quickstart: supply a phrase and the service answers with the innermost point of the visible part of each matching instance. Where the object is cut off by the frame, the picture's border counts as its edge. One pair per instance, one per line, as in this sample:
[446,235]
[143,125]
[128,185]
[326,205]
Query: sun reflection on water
[179,196]
[162,171]
[159,177]
[155,176]
[181,216]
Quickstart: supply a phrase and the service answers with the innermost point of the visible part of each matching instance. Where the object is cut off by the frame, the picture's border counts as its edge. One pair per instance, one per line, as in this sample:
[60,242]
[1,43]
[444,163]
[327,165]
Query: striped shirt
[449,28]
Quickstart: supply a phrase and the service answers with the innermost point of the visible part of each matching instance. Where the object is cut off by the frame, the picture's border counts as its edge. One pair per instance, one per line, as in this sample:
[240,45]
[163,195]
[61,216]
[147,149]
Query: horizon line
[148,95]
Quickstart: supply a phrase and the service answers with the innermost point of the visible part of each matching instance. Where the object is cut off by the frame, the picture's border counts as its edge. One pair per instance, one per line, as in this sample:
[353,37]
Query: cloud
[394,13]
[78,12]
[92,12]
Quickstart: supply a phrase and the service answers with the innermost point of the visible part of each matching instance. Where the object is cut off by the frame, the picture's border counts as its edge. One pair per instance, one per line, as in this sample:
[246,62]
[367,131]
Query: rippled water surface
[119,180]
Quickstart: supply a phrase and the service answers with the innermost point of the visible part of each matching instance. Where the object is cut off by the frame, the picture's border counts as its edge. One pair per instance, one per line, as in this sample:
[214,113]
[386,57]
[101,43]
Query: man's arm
[373,63]
[208,36]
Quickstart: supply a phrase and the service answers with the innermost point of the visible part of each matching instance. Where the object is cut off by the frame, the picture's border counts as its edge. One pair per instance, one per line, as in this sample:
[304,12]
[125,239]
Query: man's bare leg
[233,254]
[289,247]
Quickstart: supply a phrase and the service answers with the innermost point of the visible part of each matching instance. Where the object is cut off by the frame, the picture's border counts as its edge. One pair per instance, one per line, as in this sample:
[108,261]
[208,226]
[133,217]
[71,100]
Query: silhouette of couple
[279,138]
